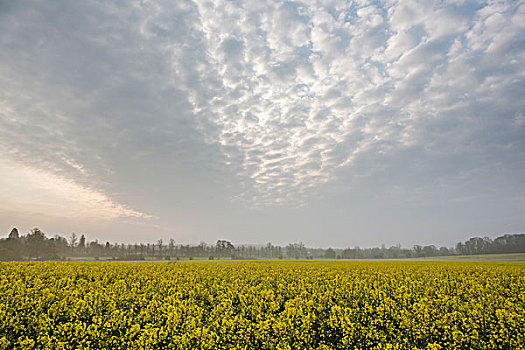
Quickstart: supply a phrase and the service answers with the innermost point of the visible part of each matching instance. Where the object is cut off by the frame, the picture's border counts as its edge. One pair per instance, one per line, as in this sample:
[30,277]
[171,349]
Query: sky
[332,123]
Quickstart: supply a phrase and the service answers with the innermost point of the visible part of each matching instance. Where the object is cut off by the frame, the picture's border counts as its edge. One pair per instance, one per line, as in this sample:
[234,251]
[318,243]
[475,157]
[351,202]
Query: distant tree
[297,250]
[330,253]
[73,240]
[36,245]
[500,244]
[61,245]
[224,247]
[82,242]
[394,251]
[516,243]
[11,248]
[96,249]
[348,253]
[460,248]
[171,247]
[443,251]
[152,250]
[509,243]
[418,250]
[475,245]
[35,242]
[354,253]
[14,234]
[160,247]
[429,250]
[200,250]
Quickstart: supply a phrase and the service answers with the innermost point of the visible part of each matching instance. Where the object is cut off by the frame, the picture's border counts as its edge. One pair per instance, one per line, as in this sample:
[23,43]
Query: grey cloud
[232,49]
[100,90]
[269,103]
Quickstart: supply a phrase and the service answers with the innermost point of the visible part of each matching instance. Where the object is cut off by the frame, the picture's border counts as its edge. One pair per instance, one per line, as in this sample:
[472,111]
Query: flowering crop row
[262,305]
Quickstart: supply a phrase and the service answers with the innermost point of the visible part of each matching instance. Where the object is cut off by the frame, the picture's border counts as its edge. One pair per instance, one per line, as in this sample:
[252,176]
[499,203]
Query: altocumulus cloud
[277,97]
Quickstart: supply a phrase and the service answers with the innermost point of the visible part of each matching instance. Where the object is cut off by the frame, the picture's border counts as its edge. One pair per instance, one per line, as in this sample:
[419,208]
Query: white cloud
[281,94]
[39,193]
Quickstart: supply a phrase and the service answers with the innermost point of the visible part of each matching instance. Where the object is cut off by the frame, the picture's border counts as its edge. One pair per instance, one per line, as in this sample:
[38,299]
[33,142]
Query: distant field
[517,257]
[262,305]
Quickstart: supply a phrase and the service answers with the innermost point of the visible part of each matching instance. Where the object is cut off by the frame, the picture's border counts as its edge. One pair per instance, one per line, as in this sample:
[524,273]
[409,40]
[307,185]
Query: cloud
[272,100]
[354,82]
[39,193]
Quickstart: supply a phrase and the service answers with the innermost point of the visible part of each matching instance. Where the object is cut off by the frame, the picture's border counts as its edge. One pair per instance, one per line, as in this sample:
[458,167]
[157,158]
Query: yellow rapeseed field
[262,305]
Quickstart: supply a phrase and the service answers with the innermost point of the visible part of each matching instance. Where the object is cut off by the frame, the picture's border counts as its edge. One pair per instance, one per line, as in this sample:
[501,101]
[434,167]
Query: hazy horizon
[330,123]
[101,239]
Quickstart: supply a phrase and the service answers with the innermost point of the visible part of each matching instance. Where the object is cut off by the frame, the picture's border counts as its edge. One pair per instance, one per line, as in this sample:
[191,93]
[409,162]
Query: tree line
[35,245]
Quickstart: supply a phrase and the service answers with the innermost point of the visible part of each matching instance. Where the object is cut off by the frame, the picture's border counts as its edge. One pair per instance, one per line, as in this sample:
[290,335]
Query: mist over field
[332,123]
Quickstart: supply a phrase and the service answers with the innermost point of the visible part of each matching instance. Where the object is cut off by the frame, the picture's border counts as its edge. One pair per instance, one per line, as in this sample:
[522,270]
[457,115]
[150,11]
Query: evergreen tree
[14,234]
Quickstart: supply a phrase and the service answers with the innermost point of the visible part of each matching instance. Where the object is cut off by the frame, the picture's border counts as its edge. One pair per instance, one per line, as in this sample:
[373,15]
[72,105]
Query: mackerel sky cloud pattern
[296,90]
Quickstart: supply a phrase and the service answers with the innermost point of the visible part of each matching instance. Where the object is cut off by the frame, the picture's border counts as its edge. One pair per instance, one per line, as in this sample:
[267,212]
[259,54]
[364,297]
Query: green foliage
[330,253]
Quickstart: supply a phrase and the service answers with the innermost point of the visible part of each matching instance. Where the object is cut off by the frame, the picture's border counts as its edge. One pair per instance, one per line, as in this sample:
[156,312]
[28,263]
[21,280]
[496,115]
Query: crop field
[262,305]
